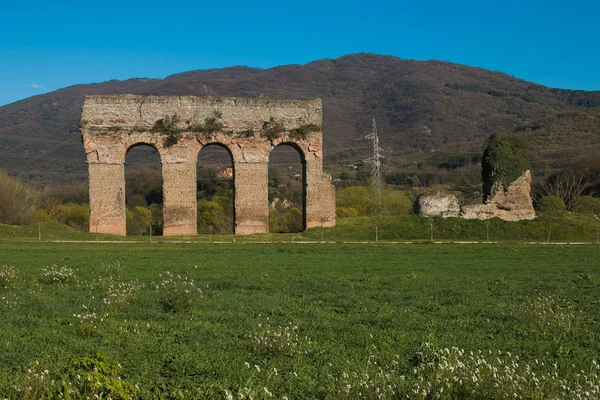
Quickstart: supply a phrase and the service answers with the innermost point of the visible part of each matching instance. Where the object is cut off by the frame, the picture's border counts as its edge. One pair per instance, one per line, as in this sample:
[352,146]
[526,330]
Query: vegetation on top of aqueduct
[299,321]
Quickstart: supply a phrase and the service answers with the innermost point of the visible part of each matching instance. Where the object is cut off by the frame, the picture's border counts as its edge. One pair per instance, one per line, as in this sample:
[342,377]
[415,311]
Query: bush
[587,205]
[211,124]
[503,162]
[96,377]
[75,215]
[42,216]
[395,203]
[168,126]
[552,205]
[346,212]
[302,131]
[272,129]
[18,203]
[212,216]
[58,275]
[8,275]
[357,201]
[177,293]
[138,220]
[356,197]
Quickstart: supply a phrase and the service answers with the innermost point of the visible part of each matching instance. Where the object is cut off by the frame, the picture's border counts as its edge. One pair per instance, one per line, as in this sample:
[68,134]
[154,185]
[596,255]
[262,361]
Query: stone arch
[128,170]
[280,144]
[112,123]
[224,146]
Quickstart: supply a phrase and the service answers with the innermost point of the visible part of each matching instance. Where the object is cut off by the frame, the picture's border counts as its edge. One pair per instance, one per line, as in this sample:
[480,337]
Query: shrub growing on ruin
[211,124]
[303,130]
[504,161]
[272,129]
[168,126]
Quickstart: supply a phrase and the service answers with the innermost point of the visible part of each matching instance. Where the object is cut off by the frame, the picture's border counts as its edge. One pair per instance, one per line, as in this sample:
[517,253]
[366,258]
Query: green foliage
[361,201]
[395,202]
[56,275]
[552,205]
[168,126]
[100,377]
[356,197]
[303,130]
[313,320]
[587,205]
[287,222]
[272,129]
[504,161]
[177,293]
[8,275]
[18,202]
[138,220]
[346,212]
[211,124]
[76,216]
[215,215]
[42,216]
[95,377]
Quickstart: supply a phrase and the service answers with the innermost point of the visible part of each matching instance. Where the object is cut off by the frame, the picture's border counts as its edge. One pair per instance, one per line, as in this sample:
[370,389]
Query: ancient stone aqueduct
[179,127]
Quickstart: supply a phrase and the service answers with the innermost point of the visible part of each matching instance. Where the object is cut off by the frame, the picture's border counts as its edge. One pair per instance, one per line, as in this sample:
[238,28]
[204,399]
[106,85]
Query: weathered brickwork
[111,124]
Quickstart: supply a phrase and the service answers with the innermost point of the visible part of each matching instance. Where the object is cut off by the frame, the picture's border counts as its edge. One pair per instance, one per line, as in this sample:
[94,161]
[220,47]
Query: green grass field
[301,321]
[545,228]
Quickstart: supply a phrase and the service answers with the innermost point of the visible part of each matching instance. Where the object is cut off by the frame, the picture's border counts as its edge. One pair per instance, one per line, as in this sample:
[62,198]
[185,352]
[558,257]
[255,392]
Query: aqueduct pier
[179,127]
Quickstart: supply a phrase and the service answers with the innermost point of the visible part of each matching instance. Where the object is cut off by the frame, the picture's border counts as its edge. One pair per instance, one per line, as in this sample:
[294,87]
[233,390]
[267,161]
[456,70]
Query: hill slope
[423,108]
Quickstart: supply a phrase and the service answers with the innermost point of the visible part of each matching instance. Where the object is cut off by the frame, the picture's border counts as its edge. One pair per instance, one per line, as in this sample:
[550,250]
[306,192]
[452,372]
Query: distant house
[225,173]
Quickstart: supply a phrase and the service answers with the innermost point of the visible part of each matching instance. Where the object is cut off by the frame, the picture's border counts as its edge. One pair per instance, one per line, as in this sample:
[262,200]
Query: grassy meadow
[299,321]
[409,227]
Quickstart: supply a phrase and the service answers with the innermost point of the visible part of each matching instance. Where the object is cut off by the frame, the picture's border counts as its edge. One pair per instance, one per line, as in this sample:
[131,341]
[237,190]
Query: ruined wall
[512,204]
[438,205]
[111,124]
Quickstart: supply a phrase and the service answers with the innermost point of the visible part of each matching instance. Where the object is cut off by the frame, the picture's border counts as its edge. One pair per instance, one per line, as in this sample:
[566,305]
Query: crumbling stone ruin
[443,205]
[512,204]
[179,127]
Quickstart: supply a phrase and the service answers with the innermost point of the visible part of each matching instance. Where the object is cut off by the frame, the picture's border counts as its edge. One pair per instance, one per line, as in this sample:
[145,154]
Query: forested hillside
[433,117]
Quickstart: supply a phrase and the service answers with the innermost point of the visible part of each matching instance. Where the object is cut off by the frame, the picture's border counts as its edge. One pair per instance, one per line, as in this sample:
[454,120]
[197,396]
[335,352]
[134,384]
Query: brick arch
[301,152]
[300,147]
[130,142]
[111,124]
[222,145]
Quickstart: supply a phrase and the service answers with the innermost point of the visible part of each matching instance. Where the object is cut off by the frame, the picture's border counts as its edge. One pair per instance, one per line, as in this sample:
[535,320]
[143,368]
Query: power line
[375,161]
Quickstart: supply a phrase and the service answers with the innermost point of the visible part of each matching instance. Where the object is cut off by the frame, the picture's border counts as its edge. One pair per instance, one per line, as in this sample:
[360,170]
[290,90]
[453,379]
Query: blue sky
[45,46]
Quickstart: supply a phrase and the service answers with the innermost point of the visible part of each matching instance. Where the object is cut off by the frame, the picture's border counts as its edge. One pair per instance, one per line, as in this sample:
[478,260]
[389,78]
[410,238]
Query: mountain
[431,115]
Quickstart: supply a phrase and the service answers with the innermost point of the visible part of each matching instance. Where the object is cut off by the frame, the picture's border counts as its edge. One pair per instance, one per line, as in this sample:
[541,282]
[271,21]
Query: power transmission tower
[375,162]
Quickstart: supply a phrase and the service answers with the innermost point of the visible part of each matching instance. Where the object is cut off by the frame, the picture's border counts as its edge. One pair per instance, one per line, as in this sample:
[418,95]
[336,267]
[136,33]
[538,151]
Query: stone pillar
[107,198]
[320,197]
[251,197]
[327,201]
[179,199]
